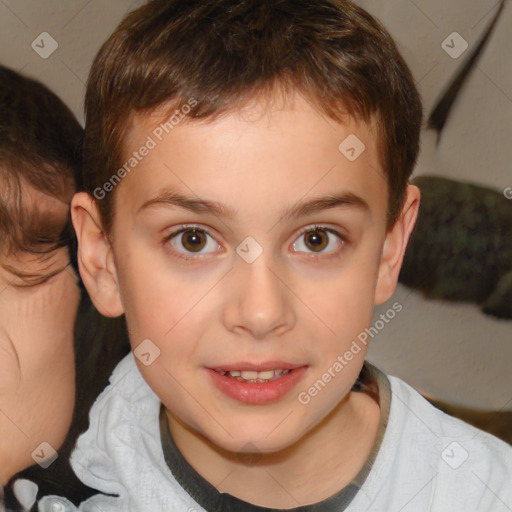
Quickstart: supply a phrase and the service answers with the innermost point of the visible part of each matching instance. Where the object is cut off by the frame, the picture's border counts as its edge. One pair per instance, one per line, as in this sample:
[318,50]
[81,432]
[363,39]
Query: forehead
[276,153]
[42,221]
[33,213]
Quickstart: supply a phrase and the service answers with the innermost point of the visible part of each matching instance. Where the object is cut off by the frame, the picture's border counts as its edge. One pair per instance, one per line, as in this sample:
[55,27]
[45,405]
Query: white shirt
[427,461]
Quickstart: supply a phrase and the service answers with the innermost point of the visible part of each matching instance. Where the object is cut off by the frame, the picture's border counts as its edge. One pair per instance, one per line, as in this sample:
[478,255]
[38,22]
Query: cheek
[39,397]
[9,364]
[342,304]
[155,305]
[158,294]
[36,333]
[54,396]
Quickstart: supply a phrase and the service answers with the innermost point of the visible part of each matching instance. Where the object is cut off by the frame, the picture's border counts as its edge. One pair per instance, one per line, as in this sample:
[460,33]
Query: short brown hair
[40,150]
[223,52]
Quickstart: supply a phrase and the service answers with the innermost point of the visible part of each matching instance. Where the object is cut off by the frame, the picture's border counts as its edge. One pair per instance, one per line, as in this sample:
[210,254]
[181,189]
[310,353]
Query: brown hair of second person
[40,151]
[224,52]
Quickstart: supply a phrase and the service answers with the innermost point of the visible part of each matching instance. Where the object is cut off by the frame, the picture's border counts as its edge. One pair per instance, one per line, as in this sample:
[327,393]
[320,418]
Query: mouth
[257,384]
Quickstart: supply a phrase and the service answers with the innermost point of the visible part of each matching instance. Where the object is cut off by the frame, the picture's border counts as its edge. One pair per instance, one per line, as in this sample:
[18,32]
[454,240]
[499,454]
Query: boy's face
[208,300]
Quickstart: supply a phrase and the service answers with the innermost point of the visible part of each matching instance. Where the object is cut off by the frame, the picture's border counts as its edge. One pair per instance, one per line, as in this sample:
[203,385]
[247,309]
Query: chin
[257,438]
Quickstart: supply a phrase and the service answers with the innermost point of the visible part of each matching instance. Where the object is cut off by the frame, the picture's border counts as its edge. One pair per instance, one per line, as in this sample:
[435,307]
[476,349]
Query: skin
[292,304]
[37,374]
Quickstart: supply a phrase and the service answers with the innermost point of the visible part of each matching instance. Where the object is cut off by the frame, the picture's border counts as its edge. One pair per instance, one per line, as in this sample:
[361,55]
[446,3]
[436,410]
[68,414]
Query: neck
[315,467]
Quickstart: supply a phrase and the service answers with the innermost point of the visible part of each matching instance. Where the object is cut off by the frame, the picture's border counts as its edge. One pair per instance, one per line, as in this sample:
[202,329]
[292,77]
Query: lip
[257,393]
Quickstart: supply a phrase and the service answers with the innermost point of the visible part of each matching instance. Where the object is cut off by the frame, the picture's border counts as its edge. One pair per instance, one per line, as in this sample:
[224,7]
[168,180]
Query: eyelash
[302,232]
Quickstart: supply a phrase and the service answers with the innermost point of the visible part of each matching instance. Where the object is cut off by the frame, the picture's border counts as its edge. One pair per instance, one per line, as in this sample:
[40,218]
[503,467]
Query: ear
[95,256]
[395,245]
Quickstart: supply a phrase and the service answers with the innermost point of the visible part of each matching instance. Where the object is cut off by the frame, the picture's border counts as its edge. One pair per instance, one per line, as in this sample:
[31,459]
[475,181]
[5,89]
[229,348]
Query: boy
[247,204]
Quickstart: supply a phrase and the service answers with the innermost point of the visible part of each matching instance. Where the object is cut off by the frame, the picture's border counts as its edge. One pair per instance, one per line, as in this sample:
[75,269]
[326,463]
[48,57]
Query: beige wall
[450,350]
[453,350]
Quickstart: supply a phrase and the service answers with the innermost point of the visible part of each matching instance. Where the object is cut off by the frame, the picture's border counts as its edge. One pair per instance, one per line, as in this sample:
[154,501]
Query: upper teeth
[254,375]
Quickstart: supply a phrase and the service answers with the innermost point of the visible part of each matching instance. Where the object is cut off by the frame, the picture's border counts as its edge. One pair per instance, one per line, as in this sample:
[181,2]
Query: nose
[258,302]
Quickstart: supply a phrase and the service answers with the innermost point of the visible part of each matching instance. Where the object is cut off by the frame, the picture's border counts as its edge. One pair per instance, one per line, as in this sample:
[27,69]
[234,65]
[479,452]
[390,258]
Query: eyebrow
[300,209]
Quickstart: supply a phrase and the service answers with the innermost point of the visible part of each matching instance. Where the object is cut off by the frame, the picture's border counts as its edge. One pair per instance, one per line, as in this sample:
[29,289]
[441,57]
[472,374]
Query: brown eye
[318,240]
[193,240]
